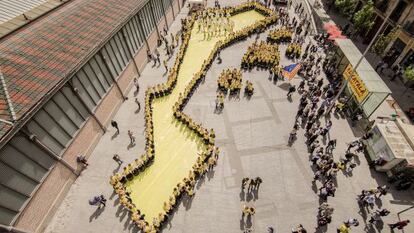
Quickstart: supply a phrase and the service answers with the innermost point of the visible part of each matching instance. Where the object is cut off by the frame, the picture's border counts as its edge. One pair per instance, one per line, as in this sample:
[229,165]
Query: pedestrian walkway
[252,135]
[176,152]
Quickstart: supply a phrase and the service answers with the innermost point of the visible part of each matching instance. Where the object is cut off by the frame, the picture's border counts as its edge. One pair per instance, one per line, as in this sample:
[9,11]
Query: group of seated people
[207,159]
[230,80]
[263,55]
[280,36]
[293,50]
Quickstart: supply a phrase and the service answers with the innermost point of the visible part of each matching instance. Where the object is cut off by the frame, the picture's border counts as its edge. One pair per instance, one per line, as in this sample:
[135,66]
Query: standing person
[331,145]
[258,181]
[252,184]
[343,229]
[292,135]
[399,225]
[136,84]
[291,90]
[299,229]
[165,66]
[398,73]
[131,137]
[102,201]
[245,180]
[172,39]
[380,63]
[139,105]
[219,60]
[216,4]
[157,56]
[115,125]
[117,159]
[383,66]
[375,217]
[150,57]
[81,159]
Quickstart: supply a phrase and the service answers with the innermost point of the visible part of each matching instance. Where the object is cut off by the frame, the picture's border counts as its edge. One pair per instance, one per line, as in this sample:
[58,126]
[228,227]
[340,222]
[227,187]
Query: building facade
[63,77]
[401,15]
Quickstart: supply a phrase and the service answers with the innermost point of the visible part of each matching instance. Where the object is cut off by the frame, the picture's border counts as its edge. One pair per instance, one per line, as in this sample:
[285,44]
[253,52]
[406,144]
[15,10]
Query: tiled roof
[37,57]
[4,128]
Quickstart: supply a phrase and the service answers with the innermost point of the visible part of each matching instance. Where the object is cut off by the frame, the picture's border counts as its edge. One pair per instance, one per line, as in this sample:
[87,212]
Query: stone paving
[252,136]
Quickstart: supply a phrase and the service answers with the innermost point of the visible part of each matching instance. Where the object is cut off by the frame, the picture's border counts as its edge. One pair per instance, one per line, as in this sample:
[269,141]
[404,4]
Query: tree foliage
[383,41]
[409,73]
[363,19]
[346,7]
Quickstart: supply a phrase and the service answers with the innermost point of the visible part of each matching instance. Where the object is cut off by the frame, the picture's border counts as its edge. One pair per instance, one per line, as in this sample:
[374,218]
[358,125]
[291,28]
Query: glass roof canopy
[378,91]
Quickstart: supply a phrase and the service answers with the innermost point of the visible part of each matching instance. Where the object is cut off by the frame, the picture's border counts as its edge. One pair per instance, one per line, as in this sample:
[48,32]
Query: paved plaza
[252,135]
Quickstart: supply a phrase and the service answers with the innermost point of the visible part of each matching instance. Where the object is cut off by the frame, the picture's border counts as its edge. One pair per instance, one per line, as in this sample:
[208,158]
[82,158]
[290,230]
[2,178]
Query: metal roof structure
[368,75]
[17,13]
[12,8]
[39,58]
[396,140]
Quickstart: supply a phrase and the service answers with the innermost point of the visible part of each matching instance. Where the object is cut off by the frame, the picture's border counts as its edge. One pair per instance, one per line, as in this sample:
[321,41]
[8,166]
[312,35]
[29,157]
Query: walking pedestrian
[399,225]
[291,90]
[375,217]
[115,125]
[131,137]
[117,159]
[138,104]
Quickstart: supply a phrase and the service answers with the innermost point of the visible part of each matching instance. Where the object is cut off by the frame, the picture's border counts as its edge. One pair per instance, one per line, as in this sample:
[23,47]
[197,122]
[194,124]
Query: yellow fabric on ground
[176,147]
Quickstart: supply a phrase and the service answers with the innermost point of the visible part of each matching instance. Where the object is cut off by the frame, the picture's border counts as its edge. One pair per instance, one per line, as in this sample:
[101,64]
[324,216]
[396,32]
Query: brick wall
[50,194]
[47,200]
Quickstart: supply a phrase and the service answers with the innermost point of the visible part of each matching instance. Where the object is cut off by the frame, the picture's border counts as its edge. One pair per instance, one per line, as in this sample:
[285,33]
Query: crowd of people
[293,50]
[281,35]
[316,97]
[208,158]
[262,55]
[213,22]
[230,80]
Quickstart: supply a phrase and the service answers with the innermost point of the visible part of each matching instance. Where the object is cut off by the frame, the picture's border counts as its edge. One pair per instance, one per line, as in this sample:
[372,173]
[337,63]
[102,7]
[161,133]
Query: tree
[363,19]
[383,41]
[409,73]
[409,76]
[346,7]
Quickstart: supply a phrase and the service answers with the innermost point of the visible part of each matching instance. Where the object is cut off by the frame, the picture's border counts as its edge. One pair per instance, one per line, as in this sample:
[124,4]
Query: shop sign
[357,85]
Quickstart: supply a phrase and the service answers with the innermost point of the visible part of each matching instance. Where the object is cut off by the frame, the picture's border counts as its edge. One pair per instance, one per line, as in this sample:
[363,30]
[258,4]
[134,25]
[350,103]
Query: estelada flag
[290,71]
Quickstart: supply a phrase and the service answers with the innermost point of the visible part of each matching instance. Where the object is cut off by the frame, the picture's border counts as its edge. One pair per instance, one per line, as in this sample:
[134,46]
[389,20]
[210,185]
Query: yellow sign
[356,84]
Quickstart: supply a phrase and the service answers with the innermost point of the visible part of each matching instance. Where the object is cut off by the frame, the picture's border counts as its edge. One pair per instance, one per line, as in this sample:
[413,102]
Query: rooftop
[17,13]
[40,57]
